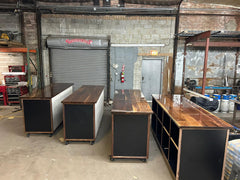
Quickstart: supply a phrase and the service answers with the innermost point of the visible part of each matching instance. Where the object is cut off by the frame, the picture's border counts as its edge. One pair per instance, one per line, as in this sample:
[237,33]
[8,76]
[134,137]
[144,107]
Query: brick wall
[203,23]
[195,56]
[121,29]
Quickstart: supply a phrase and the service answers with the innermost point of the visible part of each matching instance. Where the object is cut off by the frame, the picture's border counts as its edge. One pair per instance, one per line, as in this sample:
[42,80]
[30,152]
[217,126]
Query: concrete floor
[41,157]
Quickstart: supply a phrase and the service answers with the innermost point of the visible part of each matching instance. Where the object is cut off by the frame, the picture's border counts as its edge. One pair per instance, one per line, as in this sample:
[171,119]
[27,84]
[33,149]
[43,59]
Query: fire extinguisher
[122,74]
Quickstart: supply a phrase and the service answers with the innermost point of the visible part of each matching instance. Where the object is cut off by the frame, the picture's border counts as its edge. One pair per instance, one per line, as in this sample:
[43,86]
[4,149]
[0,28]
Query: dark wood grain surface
[130,101]
[86,94]
[47,92]
[187,114]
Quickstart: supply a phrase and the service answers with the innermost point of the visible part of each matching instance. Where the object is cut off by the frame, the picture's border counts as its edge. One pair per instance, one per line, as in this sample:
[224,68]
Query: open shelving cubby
[162,125]
[184,133]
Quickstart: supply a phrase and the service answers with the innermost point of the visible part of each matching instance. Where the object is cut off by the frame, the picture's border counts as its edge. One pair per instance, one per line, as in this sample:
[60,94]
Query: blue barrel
[225,97]
[233,96]
[217,96]
[207,95]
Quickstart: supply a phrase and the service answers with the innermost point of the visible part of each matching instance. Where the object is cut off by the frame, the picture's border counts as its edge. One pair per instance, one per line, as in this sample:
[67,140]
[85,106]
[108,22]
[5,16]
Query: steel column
[184,62]
[39,35]
[235,70]
[29,72]
[205,66]
[175,48]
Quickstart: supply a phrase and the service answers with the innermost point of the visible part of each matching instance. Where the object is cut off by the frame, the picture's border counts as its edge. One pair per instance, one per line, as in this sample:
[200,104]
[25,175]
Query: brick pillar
[29,30]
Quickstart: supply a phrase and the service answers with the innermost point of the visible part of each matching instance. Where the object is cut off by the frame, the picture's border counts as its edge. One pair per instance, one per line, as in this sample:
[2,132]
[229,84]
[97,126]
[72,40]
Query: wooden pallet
[6,43]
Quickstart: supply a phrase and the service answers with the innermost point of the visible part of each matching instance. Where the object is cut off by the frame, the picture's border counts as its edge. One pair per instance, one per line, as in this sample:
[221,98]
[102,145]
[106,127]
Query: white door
[151,77]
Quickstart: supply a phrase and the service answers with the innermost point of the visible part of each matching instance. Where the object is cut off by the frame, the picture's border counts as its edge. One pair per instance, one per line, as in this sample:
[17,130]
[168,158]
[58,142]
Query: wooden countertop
[187,114]
[130,101]
[47,92]
[84,95]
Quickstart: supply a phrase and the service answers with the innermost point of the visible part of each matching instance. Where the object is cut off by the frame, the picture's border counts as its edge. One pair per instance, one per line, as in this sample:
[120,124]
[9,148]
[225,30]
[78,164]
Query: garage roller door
[81,67]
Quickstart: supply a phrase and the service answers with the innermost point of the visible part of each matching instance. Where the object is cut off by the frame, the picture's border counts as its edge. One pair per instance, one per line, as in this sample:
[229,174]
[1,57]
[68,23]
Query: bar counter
[192,140]
[130,125]
[82,112]
[43,109]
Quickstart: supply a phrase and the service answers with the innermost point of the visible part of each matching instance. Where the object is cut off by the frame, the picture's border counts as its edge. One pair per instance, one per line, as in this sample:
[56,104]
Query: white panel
[99,107]
[57,107]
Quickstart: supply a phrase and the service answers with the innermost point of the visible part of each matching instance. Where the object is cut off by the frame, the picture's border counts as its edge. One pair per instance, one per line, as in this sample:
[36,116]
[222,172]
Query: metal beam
[49,9]
[200,36]
[216,44]
[17,50]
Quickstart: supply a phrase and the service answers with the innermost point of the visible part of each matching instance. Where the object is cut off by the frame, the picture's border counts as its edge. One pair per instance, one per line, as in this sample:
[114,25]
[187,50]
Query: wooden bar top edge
[86,94]
[47,92]
[187,114]
[131,112]
[130,101]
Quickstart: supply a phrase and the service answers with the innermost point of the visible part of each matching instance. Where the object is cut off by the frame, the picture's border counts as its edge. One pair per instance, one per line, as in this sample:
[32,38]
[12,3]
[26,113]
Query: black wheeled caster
[92,142]
[144,160]
[50,135]
[112,159]
[66,142]
[28,135]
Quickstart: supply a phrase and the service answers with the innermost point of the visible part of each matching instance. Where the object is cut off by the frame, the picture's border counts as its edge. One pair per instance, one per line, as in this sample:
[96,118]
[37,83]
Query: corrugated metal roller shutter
[81,67]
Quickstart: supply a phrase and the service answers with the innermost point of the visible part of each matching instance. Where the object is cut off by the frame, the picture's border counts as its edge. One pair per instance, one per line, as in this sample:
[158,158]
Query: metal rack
[220,39]
[14,91]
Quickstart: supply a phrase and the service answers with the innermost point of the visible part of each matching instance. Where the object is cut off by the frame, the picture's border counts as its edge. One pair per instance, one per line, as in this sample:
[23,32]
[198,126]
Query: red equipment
[3,96]
[16,68]
[122,74]
[13,90]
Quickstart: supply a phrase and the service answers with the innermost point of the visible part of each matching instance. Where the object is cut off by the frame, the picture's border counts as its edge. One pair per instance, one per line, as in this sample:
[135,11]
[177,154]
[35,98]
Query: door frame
[160,58]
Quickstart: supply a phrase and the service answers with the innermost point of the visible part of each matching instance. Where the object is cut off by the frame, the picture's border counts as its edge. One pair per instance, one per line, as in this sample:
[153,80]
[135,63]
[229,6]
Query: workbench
[43,109]
[131,116]
[192,140]
[82,114]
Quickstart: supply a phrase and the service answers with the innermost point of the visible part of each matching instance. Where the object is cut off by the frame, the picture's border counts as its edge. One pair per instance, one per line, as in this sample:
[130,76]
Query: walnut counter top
[87,94]
[130,101]
[47,92]
[187,114]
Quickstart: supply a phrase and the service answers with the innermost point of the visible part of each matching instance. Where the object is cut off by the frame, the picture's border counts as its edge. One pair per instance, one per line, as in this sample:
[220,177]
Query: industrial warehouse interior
[120,89]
